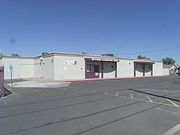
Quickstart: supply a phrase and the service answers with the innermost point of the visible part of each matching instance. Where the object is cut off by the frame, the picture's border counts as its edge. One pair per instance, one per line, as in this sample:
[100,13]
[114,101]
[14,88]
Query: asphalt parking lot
[148,106]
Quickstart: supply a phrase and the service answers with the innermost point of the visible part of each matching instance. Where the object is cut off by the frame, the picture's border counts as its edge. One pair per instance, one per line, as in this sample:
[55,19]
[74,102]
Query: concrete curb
[8,90]
[131,78]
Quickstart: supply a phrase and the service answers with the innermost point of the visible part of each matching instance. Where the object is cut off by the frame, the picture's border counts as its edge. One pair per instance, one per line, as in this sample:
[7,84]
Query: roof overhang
[101,59]
[144,62]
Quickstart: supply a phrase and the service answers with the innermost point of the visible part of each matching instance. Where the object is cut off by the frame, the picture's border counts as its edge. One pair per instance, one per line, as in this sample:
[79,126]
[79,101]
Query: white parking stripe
[167,111]
[131,95]
[166,91]
[173,130]
[117,93]
[149,98]
[172,103]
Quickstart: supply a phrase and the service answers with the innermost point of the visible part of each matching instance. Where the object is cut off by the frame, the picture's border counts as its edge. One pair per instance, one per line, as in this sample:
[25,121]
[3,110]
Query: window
[92,68]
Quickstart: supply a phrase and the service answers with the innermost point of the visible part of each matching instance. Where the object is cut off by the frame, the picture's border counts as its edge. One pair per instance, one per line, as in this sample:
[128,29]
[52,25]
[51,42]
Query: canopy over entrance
[143,68]
[102,58]
[101,67]
[143,62]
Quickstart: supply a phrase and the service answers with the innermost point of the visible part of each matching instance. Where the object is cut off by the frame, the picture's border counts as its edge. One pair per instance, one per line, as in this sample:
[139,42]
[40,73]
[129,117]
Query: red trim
[88,59]
[99,59]
[143,62]
[100,79]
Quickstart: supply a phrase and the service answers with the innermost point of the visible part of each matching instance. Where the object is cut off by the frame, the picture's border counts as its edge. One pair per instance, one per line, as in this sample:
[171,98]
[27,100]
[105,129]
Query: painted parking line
[169,111]
[172,103]
[131,95]
[106,92]
[149,98]
[166,91]
[173,130]
[117,93]
[161,90]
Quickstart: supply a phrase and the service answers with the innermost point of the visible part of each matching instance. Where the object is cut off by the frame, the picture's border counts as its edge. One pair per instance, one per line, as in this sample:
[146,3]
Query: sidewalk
[39,83]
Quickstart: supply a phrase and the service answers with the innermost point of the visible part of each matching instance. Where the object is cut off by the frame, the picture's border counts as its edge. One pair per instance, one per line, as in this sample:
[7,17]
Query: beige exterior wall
[157,69]
[22,67]
[37,68]
[165,72]
[44,68]
[69,67]
[125,68]
[64,69]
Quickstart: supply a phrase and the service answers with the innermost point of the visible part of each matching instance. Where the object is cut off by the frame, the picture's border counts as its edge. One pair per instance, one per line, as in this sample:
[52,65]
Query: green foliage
[15,55]
[1,55]
[45,53]
[142,57]
[83,52]
[168,61]
[108,54]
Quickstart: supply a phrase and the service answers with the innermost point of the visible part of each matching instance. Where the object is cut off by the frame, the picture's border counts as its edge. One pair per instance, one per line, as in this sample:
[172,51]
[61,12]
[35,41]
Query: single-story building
[66,66]
[172,68]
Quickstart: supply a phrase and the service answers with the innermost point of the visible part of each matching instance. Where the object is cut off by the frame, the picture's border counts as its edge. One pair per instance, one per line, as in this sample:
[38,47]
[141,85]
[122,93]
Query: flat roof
[76,55]
[18,57]
[144,62]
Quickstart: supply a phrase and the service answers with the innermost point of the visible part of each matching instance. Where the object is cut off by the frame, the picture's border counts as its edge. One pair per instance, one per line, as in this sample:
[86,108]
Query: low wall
[165,72]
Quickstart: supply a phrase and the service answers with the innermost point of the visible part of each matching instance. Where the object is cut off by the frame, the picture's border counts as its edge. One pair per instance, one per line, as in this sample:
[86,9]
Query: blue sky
[122,27]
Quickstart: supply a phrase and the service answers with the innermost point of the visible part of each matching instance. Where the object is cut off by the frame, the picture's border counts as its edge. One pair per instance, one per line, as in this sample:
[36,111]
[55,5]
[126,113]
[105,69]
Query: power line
[152,51]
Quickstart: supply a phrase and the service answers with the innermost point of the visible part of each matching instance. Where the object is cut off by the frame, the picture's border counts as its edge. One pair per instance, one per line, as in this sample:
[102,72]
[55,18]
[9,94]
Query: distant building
[172,68]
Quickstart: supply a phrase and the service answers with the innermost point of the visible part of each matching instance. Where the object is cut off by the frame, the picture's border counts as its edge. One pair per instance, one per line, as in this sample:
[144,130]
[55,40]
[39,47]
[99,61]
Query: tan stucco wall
[65,71]
[22,67]
[125,68]
[37,68]
[44,69]
[62,68]
[158,69]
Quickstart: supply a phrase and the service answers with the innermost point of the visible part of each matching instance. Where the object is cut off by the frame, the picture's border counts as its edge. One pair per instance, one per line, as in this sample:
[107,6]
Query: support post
[134,69]
[102,68]
[2,90]
[115,69]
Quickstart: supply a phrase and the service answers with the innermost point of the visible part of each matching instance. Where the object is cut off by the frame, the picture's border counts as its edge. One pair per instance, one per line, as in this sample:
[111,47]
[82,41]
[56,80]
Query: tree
[107,54]
[168,61]
[1,55]
[83,52]
[15,55]
[45,53]
[142,57]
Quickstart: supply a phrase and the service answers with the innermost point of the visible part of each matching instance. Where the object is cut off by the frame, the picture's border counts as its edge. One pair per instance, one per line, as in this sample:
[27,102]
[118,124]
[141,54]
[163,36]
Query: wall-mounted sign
[70,63]
[11,68]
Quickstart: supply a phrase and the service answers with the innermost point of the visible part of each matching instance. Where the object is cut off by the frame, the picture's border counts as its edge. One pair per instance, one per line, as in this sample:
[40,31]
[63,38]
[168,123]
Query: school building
[66,66]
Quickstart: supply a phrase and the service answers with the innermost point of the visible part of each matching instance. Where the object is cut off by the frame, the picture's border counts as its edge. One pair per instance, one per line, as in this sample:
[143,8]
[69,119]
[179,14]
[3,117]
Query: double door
[92,71]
